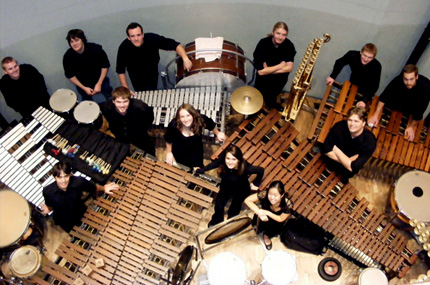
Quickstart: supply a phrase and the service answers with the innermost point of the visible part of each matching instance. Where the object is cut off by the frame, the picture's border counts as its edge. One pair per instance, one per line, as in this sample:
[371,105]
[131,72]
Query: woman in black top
[184,136]
[234,172]
[275,210]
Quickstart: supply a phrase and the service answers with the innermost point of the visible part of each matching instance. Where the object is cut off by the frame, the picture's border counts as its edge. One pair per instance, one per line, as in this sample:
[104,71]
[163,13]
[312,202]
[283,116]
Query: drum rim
[36,267]
[28,223]
[371,269]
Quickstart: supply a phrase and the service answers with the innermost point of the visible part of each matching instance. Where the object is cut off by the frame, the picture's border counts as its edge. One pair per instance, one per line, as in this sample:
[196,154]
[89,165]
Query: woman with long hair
[184,136]
[274,211]
[234,171]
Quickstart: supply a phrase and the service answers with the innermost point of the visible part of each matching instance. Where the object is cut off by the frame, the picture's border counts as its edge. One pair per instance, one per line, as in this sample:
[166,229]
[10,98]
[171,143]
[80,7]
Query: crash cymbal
[247,100]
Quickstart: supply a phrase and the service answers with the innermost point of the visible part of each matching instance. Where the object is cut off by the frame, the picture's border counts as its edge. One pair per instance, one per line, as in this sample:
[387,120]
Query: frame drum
[14,217]
[279,268]
[24,262]
[63,100]
[227,269]
[411,197]
[87,112]
[228,71]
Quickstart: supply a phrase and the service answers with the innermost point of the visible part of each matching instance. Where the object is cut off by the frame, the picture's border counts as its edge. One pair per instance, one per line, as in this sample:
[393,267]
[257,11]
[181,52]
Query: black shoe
[268,246]
[279,108]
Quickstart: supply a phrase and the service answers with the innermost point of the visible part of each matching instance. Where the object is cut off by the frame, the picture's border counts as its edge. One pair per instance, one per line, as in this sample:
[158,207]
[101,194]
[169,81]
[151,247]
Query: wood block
[100,262]
[87,270]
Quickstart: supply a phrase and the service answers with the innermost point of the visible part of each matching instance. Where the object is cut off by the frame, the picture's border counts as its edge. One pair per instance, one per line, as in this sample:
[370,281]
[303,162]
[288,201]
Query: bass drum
[227,71]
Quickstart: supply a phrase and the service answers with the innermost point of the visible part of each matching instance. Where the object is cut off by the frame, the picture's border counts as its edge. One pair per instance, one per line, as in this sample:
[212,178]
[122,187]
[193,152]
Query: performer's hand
[221,136]
[354,157]
[97,89]
[88,91]
[44,209]
[329,81]
[373,121]
[170,158]
[253,187]
[110,187]
[410,133]
[361,104]
[188,64]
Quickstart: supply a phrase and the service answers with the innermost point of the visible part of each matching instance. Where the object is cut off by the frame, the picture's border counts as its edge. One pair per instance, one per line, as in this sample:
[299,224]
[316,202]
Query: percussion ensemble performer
[365,71]
[349,145]
[139,55]
[274,60]
[23,87]
[234,171]
[408,93]
[64,196]
[128,119]
[274,211]
[184,136]
[86,65]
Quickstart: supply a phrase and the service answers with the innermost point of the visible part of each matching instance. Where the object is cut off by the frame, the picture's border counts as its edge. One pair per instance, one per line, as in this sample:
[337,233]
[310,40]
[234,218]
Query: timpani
[410,197]
[63,100]
[227,71]
[14,217]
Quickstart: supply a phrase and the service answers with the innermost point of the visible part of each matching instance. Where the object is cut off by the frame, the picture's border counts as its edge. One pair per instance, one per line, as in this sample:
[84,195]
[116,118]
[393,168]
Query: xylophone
[317,194]
[25,166]
[393,149]
[210,101]
[138,231]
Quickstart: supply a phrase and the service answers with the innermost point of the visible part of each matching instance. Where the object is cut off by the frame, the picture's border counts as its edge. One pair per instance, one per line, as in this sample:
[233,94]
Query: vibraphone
[138,231]
[393,149]
[317,194]
[25,166]
[210,101]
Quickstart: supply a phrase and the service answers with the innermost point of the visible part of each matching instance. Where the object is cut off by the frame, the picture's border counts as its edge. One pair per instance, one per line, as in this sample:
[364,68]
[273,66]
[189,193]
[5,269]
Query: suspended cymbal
[247,100]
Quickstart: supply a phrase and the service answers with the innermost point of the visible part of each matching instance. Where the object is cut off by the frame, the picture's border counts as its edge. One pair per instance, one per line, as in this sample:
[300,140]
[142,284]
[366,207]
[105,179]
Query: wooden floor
[248,247]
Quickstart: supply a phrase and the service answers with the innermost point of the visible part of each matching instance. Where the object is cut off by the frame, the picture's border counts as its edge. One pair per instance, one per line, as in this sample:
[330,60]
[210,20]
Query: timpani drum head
[25,261]
[86,112]
[279,268]
[412,195]
[63,100]
[228,230]
[14,217]
[227,269]
[372,276]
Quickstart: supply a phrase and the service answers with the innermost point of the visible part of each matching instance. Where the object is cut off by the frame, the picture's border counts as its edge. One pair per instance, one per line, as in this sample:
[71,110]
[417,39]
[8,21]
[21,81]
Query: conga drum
[227,71]
[279,268]
[14,217]
[63,100]
[227,269]
[23,263]
[88,112]
[410,197]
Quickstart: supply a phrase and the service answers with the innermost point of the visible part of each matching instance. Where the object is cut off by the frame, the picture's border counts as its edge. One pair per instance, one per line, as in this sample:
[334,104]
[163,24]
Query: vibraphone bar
[393,149]
[138,231]
[318,195]
[25,165]
[210,101]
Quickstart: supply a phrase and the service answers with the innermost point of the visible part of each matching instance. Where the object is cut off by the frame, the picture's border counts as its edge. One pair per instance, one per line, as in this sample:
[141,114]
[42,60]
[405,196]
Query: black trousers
[224,195]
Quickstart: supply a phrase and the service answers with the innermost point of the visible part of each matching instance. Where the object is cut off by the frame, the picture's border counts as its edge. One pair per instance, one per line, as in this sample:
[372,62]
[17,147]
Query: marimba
[25,165]
[139,230]
[359,232]
[210,101]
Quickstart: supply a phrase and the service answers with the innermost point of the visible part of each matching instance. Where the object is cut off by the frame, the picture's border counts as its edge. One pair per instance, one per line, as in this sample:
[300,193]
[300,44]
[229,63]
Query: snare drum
[279,268]
[227,71]
[14,217]
[410,198]
[88,112]
[63,100]
[227,269]
[24,262]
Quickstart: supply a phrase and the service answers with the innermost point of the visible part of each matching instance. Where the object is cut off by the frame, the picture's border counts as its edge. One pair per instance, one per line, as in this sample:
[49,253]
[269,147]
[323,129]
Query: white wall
[34,31]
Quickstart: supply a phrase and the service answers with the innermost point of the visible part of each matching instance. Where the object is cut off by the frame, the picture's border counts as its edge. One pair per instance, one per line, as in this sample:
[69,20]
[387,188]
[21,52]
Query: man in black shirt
[365,71]
[408,93]
[23,87]
[86,65]
[129,119]
[348,145]
[64,196]
[139,55]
